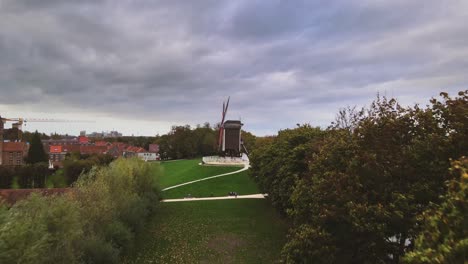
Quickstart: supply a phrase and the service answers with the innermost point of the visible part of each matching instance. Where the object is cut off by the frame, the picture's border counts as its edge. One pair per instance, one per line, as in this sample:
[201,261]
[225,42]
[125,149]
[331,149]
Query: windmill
[229,141]
[221,126]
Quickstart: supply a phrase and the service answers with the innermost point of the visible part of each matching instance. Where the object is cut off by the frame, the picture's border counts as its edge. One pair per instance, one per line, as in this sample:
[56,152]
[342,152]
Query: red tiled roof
[154,148]
[135,149]
[101,143]
[14,146]
[55,149]
[71,148]
[93,149]
[83,139]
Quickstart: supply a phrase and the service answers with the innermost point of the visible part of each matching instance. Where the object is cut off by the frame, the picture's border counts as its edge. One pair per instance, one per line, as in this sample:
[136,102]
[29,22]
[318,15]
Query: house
[153,148]
[132,151]
[116,149]
[57,153]
[59,142]
[13,153]
[89,149]
[148,156]
[141,153]
[102,143]
[84,140]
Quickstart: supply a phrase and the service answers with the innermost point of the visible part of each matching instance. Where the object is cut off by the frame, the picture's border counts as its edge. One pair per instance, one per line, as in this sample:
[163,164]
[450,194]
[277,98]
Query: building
[13,153]
[59,142]
[148,156]
[116,149]
[57,153]
[102,143]
[111,134]
[153,148]
[85,149]
[231,143]
[132,151]
[83,140]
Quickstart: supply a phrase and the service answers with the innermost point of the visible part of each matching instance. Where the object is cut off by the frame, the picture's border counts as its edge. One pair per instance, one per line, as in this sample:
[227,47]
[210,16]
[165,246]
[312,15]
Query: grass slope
[224,231]
[240,183]
[176,172]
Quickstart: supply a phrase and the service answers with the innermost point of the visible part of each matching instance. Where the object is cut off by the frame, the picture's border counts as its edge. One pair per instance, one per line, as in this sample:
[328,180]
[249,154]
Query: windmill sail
[221,127]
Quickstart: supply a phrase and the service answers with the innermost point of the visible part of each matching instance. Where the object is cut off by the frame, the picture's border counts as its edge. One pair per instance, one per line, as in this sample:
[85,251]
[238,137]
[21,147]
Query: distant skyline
[140,67]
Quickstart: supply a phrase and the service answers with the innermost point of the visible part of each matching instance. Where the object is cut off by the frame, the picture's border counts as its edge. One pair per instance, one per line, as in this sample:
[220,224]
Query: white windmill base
[227,161]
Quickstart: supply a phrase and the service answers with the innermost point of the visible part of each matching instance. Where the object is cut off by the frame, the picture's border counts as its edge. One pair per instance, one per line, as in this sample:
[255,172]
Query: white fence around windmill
[217,160]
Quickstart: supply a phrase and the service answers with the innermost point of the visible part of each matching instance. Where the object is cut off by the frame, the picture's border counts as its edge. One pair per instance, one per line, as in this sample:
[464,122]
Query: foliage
[307,243]
[36,151]
[25,176]
[280,162]
[94,223]
[372,178]
[76,164]
[186,142]
[249,140]
[40,230]
[39,175]
[12,134]
[356,191]
[444,236]
[56,180]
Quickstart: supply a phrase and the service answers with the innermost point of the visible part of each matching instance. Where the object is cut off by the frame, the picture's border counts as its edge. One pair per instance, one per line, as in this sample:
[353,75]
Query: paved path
[246,167]
[250,196]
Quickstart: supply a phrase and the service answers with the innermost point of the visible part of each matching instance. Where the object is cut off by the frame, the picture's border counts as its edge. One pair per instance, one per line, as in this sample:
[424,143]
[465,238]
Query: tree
[376,171]
[444,236]
[248,140]
[36,151]
[278,163]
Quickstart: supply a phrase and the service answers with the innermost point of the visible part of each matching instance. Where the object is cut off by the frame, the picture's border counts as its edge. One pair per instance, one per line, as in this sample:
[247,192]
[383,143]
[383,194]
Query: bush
[94,223]
[56,180]
[40,230]
[26,176]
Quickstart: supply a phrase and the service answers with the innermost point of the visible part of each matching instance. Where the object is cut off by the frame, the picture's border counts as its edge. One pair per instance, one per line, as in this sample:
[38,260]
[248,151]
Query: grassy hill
[221,231]
[177,172]
[240,183]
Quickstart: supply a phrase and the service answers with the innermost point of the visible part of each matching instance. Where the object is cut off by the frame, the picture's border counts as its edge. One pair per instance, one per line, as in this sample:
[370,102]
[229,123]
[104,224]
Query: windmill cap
[232,124]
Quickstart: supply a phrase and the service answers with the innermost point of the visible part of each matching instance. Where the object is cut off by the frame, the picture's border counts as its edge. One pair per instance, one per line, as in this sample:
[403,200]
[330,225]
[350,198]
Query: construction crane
[19,122]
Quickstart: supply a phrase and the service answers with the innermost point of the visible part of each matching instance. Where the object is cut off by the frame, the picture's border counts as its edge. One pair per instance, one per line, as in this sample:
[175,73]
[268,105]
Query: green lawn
[223,231]
[176,172]
[240,183]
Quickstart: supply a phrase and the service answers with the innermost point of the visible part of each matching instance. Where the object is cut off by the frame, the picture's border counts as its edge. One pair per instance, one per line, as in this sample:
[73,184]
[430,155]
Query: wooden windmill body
[229,140]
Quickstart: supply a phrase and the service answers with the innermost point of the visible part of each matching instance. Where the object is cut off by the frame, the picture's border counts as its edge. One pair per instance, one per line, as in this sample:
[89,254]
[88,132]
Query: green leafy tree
[248,140]
[375,172]
[444,236]
[36,151]
[277,164]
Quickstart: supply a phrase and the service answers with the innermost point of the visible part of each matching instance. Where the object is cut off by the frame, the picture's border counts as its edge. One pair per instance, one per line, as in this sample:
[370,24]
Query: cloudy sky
[141,66]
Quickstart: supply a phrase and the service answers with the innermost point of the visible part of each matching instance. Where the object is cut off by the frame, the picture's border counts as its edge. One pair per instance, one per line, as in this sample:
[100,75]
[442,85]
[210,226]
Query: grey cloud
[281,61]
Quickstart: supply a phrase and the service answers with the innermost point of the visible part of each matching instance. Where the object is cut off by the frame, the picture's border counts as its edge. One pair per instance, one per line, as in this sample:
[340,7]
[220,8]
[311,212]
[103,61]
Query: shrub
[40,230]
[94,223]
